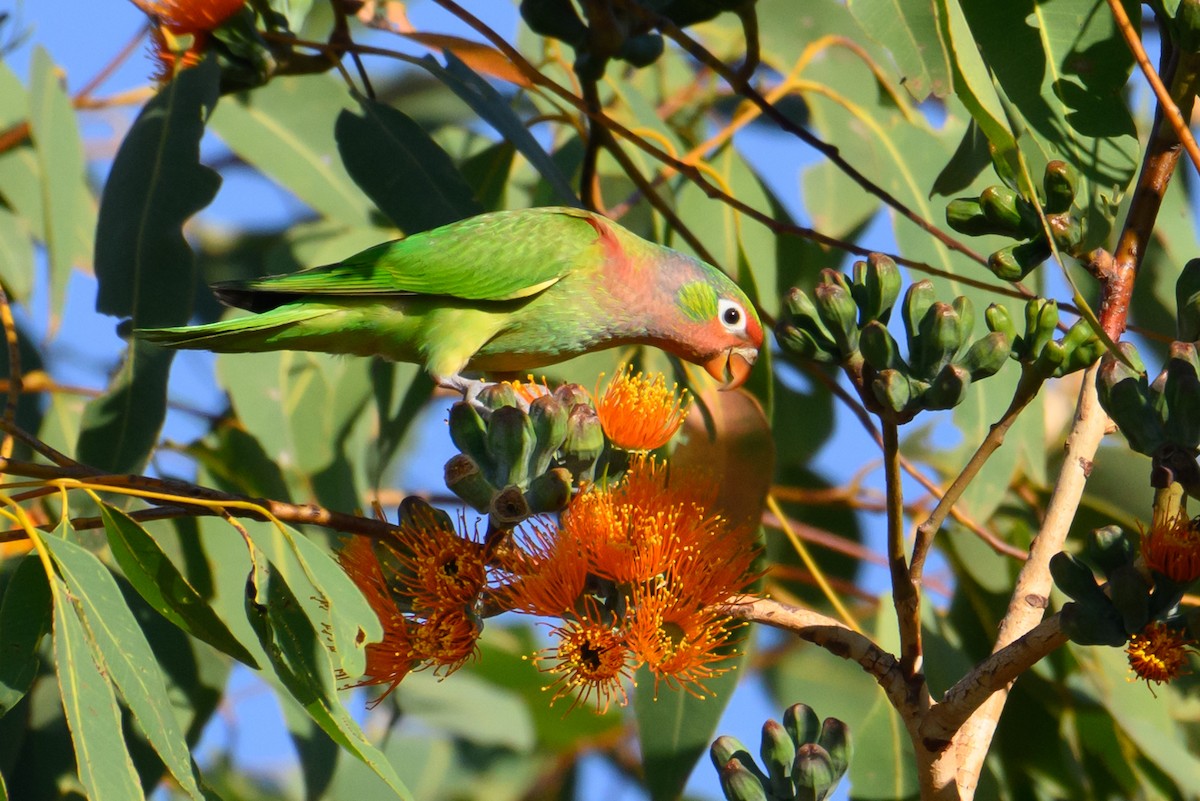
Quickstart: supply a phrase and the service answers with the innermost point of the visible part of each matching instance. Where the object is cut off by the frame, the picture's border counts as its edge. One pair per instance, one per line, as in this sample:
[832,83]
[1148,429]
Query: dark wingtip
[238,295]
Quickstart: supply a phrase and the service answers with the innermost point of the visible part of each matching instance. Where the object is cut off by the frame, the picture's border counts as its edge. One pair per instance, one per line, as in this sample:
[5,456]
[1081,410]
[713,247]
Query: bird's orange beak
[731,367]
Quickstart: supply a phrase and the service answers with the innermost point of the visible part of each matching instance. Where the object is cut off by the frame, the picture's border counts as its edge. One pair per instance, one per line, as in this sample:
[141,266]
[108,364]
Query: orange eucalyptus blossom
[174,19]
[1172,548]
[639,413]
[1158,653]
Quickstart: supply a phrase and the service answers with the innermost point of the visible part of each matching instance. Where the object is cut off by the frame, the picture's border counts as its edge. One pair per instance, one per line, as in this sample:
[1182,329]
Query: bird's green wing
[500,256]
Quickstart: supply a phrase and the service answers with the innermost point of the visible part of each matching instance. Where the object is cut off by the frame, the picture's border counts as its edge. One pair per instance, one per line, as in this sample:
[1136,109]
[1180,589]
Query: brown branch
[998,670]
[906,595]
[835,637]
[295,514]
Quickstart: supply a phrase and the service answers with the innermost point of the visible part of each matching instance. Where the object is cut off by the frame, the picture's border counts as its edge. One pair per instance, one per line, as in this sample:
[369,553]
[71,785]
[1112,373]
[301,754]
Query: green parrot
[506,291]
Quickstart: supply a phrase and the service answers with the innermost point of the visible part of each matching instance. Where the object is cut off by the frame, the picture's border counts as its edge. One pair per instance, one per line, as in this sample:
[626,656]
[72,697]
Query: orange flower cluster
[634,573]
[424,586]
[1173,549]
[174,19]
[1158,653]
[639,412]
[631,577]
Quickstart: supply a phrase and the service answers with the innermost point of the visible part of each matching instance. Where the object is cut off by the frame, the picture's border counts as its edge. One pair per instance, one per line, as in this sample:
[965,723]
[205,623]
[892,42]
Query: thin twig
[1165,101]
[905,593]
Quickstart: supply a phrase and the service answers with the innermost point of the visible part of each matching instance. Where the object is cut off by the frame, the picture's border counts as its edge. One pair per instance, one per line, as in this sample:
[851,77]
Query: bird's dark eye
[731,316]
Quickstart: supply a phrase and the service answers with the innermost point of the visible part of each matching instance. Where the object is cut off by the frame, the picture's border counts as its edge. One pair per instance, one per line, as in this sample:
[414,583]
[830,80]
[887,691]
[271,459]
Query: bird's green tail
[283,328]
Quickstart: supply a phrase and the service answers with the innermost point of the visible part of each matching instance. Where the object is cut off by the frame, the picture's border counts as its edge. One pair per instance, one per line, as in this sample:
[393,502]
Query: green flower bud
[1067,230]
[418,512]
[1110,548]
[554,18]
[917,301]
[948,388]
[837,310]
[549,491]
[965,310]
[1125,395]
[1041,321]
[999,205]
[801,723]
[813,773]
[800,329]
[986,355]
[739,784]
[835,739]
[1096,623]
[965,215]
[584,442]
[998,319]
[937,341]
[1081,348]
[509,508]
[1016,261]
[1187,299]
[498,396]
[726,749]
[1130,594]
[777,752]
[1074,578]
[468,431]
[549,418]
[875,287]
[893,390]
[511,440]
[571,394]
[465,479]
[879,348]
[1058,182]
[1181,396]
[641,50]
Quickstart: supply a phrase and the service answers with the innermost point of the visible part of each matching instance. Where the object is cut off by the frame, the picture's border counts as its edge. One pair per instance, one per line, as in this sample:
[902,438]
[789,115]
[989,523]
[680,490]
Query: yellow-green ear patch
[698,300]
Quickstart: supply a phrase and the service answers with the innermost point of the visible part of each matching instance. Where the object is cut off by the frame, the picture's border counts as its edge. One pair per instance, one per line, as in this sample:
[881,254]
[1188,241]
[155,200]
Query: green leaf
[394,427]
[910,32]
[120,428]
[488,173]
[300,660]
[122,647]
[282,129]
[25,616]
[16,256]
[91,707]
[66,200]
[143,263]
[493,109]
[1062,65]
[333,603]
[676,727]
[471,709]
[161,584]
[406,174]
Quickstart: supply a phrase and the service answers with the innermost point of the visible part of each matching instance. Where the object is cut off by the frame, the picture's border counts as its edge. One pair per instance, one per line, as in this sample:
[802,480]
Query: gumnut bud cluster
[804,759]
[1002,211]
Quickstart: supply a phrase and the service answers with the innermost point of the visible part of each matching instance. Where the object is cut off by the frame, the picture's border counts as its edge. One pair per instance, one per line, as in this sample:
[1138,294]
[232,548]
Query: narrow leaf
[144,265]
[496,111]
[272,129]
[406,174]
[675,727]
[66,201]
[161,584]
[301,662]
[91,708]
[126,655]
[910,32]
[24,618]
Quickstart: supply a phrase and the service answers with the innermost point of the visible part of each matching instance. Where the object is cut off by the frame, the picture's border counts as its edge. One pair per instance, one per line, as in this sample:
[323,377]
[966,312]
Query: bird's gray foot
[469,388]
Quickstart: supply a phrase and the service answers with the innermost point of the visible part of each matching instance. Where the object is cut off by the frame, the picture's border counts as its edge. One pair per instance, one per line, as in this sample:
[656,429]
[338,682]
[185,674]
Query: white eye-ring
[731,315]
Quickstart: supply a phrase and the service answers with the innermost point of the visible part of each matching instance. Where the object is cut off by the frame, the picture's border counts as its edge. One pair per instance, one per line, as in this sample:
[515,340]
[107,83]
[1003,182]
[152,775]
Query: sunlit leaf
[127,658]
